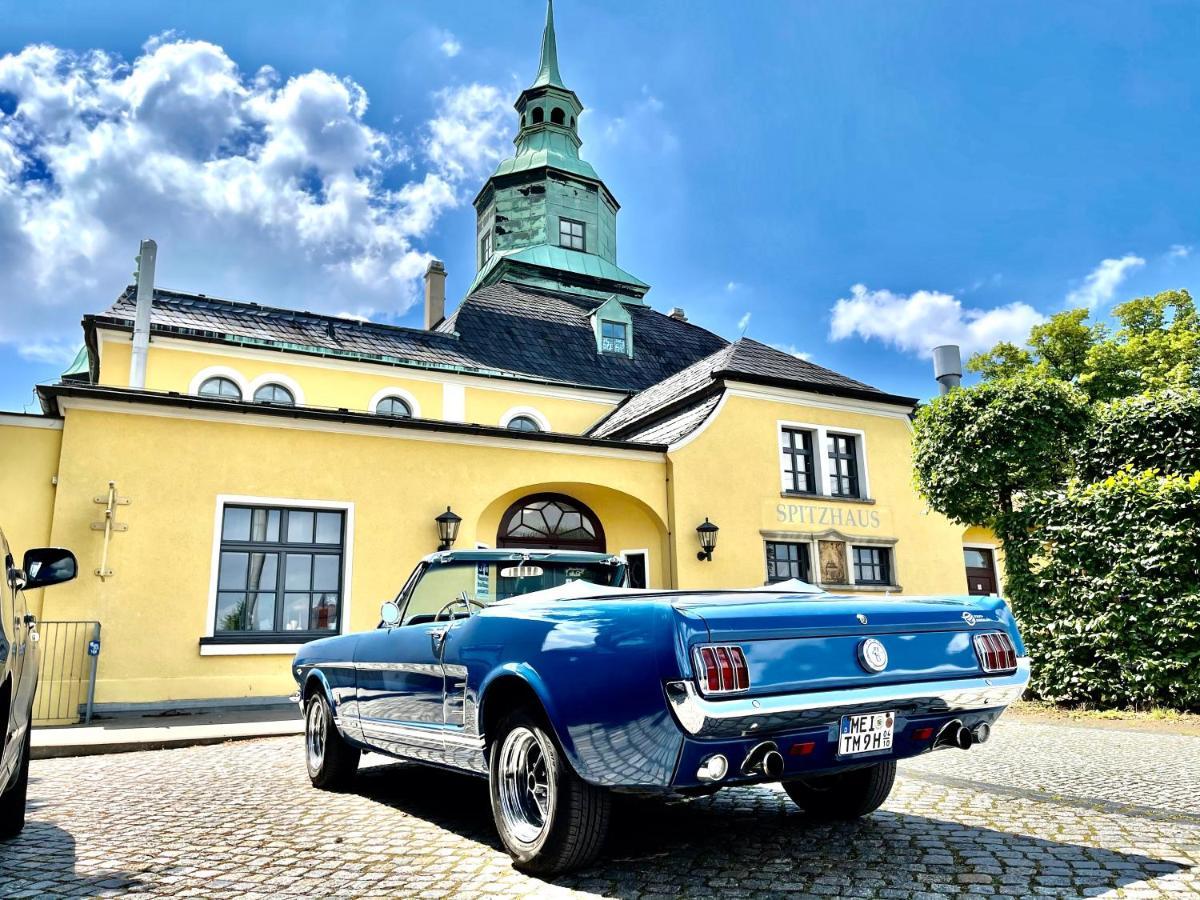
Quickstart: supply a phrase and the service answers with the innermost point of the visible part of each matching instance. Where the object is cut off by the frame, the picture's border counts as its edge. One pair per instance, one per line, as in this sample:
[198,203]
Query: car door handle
[437,637]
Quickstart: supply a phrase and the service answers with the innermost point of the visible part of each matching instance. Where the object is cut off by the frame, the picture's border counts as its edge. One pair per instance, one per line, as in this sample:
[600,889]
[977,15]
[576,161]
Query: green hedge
[1151,431]
[1105,580]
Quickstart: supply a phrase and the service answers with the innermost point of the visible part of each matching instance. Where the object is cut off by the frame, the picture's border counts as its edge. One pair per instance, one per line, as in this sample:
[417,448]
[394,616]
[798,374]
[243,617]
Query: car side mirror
[44,566]
[390,613]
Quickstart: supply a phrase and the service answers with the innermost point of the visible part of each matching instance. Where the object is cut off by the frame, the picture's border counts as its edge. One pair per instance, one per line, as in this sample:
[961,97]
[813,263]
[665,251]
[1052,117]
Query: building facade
[238,479]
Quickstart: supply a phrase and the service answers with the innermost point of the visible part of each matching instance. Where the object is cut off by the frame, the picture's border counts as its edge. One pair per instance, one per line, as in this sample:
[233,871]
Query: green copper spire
[548,64]
[545,218]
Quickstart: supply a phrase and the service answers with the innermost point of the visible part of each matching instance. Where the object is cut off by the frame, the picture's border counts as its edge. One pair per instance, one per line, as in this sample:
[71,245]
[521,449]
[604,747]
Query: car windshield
[486,581]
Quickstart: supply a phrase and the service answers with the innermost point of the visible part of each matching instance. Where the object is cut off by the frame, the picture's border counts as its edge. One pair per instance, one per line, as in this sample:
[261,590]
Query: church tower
[544,218]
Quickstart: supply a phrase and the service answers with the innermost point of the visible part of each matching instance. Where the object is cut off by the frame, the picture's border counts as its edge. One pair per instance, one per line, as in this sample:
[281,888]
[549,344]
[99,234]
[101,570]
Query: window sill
[267,645]
[804,495]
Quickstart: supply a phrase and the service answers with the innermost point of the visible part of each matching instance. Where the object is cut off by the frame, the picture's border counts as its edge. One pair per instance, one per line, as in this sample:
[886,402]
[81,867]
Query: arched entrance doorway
[550,522]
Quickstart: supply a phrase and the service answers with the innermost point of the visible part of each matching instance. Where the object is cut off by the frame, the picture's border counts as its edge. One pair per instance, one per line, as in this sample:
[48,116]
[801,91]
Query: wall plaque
[832,556]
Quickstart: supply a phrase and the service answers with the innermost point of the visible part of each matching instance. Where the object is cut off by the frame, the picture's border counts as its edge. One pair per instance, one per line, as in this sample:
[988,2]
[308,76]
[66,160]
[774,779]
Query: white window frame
[645,552]
[511,414]
[220,372]
[820,435]
[282,648]
[399,394]
[277,378]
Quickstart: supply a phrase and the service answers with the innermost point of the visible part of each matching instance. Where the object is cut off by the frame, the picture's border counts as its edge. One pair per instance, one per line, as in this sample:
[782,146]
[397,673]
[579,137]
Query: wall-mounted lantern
[707,532]
[447,525]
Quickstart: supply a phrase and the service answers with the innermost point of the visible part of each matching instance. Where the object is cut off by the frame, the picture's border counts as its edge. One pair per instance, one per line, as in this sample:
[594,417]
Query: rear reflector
[922,734]
[721,669]
[995,651]
[803,749]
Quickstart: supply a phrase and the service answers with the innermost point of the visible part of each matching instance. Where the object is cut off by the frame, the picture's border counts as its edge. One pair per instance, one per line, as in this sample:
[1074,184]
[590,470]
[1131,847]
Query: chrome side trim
[703,717]
[429,736]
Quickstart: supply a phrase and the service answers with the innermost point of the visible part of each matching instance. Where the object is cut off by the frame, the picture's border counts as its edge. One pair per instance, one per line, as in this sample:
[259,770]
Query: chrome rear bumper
[749,716]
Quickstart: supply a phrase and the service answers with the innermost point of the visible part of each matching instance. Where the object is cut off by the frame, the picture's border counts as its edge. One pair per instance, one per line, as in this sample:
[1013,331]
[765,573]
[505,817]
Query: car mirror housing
[389,613]
[44,566]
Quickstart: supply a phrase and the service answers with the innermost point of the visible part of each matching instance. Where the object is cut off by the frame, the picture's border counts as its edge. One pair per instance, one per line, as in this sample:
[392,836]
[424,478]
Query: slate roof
[505,330]
[662,409]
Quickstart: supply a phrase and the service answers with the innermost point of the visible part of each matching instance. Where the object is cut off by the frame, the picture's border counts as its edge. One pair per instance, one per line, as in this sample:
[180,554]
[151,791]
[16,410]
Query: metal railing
[68,651]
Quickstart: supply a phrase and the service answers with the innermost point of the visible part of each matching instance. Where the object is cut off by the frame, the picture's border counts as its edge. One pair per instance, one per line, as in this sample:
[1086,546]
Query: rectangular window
[613,337]
[786,560]
[485,247]
[843,465]
[872,565]
[797,448]
[572,234]
[280,571]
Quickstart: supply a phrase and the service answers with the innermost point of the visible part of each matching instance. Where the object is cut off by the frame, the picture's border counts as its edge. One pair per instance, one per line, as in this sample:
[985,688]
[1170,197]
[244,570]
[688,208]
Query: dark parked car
[19,670]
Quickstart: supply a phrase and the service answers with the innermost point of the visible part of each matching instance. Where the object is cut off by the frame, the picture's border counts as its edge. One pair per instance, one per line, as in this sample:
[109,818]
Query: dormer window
[614,338]
[485,247]
[572,234]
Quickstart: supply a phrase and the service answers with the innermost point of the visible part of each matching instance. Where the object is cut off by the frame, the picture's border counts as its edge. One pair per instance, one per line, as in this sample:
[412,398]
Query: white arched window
[524,418]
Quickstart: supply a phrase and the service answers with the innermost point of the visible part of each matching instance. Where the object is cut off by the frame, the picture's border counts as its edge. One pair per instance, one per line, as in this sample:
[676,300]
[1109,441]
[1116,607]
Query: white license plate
[868,733]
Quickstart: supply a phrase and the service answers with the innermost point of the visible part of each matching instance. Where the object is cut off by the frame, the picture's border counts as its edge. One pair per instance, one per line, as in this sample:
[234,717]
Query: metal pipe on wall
[147,256]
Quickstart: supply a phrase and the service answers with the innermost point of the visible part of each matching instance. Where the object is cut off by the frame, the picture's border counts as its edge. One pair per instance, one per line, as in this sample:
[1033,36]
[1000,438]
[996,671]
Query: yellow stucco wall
[154,608]
[353,386]
[28,464]
[730,473]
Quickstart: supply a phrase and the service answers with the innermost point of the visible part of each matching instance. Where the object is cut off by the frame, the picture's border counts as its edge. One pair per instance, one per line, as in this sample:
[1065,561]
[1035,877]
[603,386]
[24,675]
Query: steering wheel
[465,601]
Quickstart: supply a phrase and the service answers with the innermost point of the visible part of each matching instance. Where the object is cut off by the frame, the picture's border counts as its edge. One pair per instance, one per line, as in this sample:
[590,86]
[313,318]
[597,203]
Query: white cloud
[449,44]
[793,350]
[732,287]
[1101,283]
[743,322]
[1179,251]
[924,319]
[641,127]
[254,186]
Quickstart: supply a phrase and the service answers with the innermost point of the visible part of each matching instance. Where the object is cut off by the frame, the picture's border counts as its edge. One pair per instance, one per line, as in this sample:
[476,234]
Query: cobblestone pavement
[1040,810]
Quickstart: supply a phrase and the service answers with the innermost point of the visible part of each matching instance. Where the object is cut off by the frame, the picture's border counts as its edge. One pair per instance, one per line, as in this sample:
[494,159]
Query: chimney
[144,278]
[947,366]
[677,313]
[435,293]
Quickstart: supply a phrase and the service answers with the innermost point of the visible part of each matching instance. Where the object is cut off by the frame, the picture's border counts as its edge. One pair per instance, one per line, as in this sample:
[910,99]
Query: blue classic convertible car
[541,672]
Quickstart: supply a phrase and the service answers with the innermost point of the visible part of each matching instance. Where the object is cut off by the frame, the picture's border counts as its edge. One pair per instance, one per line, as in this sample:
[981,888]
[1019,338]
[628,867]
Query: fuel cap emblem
[872,655]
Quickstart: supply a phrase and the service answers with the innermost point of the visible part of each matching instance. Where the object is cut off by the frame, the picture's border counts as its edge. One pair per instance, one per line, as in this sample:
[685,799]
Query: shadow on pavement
[40,862]
[755,839]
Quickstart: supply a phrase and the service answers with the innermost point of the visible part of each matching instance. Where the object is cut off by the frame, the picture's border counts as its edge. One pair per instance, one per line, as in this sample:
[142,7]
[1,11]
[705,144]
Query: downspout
[147,256]
[672,565]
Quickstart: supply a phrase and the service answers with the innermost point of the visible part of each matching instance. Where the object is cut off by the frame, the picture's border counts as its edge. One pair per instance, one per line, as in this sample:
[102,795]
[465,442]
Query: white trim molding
[820,438]
[20,420]
[208,629]
[220,372]
[400,394]
[454,402]
[820,401]
[286,381]
[543,422]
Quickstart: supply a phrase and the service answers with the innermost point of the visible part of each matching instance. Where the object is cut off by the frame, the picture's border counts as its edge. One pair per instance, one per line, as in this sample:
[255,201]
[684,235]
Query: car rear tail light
[721,669]
[996,651]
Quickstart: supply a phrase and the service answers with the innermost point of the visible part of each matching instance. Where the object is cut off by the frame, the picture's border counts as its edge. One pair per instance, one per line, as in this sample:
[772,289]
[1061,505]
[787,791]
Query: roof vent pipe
[435,293]
[677,313]
[144,278]
[947,366]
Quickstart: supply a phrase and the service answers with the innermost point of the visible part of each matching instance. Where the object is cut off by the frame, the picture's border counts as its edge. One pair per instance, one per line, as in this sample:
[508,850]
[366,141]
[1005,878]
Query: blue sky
[852,181]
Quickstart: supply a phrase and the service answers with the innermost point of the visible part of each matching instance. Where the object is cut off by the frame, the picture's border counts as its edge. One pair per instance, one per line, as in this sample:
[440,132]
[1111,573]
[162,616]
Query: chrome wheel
[526,789]
[314,734]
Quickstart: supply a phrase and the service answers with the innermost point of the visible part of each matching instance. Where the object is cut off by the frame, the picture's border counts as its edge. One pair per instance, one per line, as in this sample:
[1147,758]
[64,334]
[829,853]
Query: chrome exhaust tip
[772,764]
[981,732]
[712,769]
[963,739]
[763,759]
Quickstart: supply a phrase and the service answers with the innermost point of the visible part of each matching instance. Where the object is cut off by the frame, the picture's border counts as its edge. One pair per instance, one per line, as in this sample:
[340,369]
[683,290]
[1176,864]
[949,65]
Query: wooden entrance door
[981,571]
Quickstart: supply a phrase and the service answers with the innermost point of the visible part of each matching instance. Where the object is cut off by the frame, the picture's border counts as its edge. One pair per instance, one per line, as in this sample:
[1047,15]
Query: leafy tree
[1156,345]
[1158,431]
[976,450]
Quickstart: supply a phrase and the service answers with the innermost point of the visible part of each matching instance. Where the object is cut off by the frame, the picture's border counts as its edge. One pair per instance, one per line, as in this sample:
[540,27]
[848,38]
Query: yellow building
[238,479]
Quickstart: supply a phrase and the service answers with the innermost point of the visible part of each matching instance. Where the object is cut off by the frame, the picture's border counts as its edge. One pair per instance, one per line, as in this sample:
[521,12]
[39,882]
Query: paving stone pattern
[1042,810]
